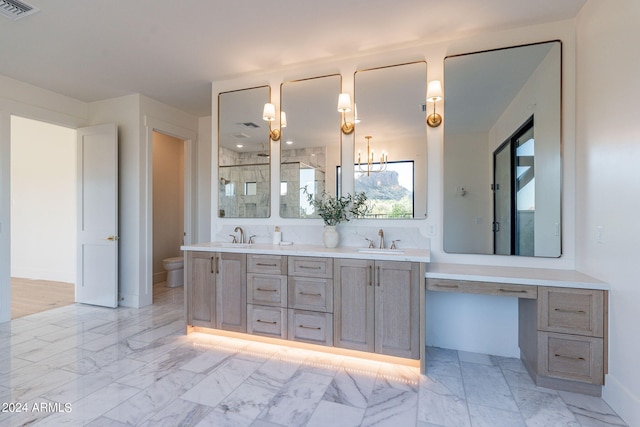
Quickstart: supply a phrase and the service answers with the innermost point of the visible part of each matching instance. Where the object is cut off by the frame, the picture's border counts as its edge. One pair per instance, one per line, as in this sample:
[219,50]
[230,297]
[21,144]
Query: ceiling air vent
[14,9]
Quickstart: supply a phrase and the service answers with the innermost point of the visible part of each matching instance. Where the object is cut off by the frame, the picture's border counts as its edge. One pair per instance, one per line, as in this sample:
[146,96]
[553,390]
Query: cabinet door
[231,292]
[200,289]
[353,304]
[397,316]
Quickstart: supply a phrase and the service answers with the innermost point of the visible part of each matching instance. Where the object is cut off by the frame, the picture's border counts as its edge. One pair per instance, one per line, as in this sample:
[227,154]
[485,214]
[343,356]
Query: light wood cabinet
[353,307]
[376,306]
[355,304]
[231,292]
[562,338]
[267,295]
[267,321]
[310,302]
[215,290]
[310,326]
[267,289]
[200,289]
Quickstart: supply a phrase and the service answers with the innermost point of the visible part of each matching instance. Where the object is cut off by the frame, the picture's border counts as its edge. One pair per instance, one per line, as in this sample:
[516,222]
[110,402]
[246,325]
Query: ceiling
[172,50]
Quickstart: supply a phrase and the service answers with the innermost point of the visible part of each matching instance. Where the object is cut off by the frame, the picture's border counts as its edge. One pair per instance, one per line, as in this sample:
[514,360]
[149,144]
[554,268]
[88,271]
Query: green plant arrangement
[334,210]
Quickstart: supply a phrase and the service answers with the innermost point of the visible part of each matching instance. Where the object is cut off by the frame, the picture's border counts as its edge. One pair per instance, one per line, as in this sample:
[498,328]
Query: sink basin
[380,251]
[233,245]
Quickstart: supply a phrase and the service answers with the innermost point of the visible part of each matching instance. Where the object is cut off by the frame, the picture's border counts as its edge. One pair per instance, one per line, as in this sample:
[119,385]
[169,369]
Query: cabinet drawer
[267,289]
[310,293]
[311,267]
[487,288]
[269,264]
[572,311]
[311,327]
[571,357]
[267,321]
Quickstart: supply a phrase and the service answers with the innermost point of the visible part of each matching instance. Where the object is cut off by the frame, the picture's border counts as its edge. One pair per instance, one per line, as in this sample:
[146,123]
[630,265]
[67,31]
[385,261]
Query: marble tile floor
[83,365]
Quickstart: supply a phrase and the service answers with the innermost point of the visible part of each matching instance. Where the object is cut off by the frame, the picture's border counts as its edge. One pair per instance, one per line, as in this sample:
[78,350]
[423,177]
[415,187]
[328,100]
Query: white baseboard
[621,400]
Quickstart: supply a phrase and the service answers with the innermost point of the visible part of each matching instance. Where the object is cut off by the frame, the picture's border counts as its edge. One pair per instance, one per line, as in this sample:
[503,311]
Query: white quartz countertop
[516,275]
[402,254]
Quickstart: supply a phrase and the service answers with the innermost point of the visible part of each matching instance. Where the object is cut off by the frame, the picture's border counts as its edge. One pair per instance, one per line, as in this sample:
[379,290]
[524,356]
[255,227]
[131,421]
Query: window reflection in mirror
[502,152]
[391,165]
[310,143]
[243,153]
[389,193]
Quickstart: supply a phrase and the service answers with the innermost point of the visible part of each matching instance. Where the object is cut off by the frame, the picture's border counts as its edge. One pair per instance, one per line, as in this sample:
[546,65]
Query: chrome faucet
[238,229]
[381,234]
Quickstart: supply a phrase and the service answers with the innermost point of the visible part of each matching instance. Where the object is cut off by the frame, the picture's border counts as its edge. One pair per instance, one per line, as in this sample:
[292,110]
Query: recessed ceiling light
[239,145]
[289,142]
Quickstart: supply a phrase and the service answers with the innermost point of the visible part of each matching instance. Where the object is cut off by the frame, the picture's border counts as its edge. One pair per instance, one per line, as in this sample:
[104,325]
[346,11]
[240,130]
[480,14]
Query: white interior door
[97,268]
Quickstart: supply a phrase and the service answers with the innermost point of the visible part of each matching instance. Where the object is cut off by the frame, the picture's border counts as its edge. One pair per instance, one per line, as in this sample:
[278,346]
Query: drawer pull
[309,294]
[261,264]
[519,291]
[311,267]
[569,357]
[437,285]
[309,327]
[264,321]
[266,290]
[560,310]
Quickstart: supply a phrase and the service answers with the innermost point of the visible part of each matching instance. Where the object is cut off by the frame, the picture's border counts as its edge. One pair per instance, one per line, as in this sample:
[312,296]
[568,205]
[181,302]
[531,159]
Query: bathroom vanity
[373,302]
[364,300]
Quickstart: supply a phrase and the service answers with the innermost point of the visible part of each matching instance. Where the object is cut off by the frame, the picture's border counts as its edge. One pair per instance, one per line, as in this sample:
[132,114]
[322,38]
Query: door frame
[189,137]
[10,108]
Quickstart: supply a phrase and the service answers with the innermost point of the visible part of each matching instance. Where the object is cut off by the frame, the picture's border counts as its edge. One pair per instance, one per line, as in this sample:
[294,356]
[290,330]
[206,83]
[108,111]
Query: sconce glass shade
[283,119]
[344,103]
[434,91]
[269,112]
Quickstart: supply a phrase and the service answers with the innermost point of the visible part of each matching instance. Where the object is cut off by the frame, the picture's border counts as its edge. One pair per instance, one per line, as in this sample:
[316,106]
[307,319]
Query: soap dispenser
[277,236]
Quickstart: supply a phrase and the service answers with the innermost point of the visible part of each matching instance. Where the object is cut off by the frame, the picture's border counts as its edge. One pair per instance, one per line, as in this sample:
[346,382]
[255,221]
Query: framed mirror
[310,143]
[244,149]
[390,142]
[502,151]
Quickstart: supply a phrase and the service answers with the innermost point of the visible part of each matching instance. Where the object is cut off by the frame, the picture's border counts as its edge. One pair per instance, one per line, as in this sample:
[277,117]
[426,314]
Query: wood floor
[33,296]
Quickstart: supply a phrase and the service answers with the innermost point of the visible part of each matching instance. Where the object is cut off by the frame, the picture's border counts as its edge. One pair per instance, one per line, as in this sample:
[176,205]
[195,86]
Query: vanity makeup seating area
[372,304]
[562,319]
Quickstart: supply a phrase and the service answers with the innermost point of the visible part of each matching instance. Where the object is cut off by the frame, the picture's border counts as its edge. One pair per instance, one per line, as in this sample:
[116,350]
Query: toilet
[175,271]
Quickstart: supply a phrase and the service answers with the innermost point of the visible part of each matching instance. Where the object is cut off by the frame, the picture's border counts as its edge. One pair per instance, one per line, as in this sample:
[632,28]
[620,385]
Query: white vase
[330,236]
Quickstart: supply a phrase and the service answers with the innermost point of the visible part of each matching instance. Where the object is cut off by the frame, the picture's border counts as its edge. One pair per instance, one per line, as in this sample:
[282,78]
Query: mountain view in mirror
[502,151]
[310,143]
[244,150]
[390,142]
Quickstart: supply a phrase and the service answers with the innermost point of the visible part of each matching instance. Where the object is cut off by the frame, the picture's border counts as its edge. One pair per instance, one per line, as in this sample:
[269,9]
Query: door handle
[112,238]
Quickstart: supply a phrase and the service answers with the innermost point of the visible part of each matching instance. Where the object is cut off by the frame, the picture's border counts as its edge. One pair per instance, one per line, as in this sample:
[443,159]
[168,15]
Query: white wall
[203,190]
[168,201]
[469,217]
[608,194]
[43,201]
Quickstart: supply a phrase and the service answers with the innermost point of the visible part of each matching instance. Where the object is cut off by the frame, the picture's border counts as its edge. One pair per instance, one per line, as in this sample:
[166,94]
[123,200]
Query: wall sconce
[434,94]
[370,166]
[344,106]
[269,114]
